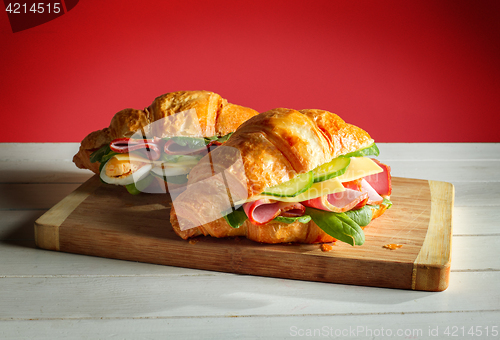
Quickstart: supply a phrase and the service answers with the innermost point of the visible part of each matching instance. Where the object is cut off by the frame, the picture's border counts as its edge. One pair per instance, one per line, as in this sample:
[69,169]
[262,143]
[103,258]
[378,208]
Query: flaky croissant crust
[274,147]
[278,144]
[216,117]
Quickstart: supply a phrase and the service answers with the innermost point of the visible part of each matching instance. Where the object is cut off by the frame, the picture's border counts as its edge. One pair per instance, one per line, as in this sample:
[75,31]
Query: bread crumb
[393,246]
[326,247]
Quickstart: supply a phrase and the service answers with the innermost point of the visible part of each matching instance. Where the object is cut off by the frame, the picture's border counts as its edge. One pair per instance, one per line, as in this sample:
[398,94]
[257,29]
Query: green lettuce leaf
[137,188]
[180,158]
[190,142]
[221,139]
[301,219]
[224,139]
[236,218]
[387,203]
[102,155]
[198,142]
[170,158]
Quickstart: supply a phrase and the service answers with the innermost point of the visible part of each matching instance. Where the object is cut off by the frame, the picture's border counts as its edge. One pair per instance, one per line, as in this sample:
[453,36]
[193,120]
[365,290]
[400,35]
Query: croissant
[274,149]
[216,117]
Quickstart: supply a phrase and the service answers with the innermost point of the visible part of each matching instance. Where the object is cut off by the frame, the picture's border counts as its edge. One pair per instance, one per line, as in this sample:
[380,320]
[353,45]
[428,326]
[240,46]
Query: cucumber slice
[331,169]
[371,150]
[293,187]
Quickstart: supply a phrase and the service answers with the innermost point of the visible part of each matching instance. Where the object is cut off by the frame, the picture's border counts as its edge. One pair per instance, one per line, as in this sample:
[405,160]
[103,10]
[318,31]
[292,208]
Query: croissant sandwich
[163,141]
[286,176]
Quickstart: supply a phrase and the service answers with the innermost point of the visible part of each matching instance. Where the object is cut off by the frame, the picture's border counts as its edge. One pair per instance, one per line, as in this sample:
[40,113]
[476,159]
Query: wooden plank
[231,295]
[448,171]
[38,151]
[24,260]
[438,151]
[475,253]
[42,172]
[33,196]
[359,326]
[479,220]
[477,194]
[17,225]
[111,223]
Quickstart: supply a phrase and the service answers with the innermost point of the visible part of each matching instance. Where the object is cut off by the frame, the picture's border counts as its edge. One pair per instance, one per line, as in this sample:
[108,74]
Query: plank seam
[249,315]
[38,183]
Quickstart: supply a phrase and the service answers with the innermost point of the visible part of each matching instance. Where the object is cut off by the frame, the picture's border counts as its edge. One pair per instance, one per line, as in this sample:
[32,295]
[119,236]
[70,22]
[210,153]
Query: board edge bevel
[46,227]
[431,268]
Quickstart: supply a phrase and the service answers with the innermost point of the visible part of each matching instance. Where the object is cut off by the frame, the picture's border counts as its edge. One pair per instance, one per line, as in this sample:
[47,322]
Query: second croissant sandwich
[163,141]
[287,176]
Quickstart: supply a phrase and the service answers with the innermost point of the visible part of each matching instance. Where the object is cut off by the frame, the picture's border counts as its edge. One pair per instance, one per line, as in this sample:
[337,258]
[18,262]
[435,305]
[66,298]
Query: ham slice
[381,182]
[126,145]
[373,197]
[367,190]
[263,211]
[354,185]
[339,201]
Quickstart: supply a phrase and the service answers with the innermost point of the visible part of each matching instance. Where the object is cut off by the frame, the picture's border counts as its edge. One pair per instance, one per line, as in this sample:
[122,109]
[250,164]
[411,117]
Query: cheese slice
[131,157]
[358,168]
[135,158]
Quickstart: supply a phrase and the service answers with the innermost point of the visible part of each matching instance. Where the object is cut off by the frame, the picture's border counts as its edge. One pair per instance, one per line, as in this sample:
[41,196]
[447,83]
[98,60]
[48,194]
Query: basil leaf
[372,150]
[301,219]
[236,218]
[361,216]
[338,225]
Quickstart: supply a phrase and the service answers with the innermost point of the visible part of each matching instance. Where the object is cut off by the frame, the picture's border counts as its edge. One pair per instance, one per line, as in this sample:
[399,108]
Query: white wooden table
[52,295]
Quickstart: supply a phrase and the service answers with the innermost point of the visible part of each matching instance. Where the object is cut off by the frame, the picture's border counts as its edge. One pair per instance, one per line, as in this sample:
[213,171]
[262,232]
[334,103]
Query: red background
[406,71]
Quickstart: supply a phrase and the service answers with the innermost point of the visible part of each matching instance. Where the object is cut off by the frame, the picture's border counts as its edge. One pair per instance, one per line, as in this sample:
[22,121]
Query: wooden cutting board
[106,221]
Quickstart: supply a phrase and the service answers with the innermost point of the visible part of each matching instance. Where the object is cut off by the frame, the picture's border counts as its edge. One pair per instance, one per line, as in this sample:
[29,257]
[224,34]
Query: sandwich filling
[341,197]
[134,163]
